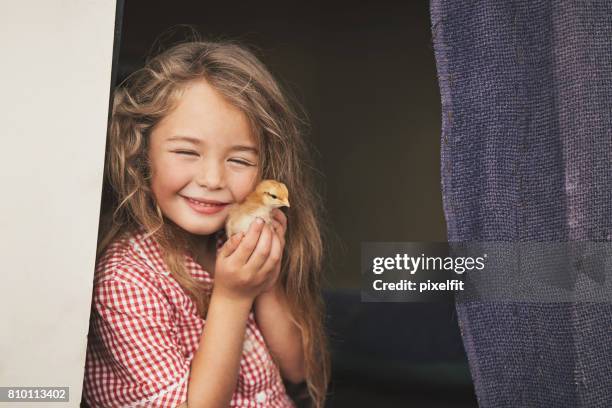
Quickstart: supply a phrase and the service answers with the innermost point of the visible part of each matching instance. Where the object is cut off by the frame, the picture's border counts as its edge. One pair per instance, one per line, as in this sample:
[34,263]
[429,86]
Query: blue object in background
[526,90]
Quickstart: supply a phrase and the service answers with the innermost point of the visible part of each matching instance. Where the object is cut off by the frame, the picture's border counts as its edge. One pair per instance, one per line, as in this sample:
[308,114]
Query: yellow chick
[268,194]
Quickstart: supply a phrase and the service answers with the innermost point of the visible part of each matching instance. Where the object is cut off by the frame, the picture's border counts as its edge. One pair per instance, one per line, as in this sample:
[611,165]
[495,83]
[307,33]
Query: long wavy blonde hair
[151,92]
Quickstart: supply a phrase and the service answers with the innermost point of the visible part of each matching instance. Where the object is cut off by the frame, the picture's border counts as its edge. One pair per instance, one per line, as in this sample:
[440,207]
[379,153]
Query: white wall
[55,78]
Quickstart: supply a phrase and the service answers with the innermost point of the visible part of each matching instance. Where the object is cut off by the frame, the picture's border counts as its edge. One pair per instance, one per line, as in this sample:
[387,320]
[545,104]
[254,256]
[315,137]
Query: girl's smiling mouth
[205,206]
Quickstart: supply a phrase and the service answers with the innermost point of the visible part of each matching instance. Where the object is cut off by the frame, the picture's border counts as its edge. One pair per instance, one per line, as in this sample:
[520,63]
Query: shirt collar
[150,250]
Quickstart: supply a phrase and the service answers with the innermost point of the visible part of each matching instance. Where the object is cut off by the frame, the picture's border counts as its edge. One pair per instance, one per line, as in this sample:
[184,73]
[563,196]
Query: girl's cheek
[175,172]
[241,184]
[252,180]
[167,181]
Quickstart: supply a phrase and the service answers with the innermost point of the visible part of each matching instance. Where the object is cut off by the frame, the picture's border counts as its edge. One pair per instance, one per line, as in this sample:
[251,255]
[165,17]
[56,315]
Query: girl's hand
[279,224]
[246,264]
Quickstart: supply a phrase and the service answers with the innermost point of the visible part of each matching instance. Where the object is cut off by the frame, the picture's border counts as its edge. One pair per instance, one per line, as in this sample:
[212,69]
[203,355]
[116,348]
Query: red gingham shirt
[145,330]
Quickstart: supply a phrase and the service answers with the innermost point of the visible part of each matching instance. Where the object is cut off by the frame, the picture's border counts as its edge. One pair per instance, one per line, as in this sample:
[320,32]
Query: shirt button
[248,345]
[260,397]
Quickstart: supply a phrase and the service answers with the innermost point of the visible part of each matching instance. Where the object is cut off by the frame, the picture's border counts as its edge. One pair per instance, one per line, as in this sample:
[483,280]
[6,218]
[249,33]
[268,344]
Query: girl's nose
[210,176]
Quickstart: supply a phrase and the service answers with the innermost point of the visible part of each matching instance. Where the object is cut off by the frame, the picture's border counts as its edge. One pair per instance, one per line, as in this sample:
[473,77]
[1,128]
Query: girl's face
[202,150]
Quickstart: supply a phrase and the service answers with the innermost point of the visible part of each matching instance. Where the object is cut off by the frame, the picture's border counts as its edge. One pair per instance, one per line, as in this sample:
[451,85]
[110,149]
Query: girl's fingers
[249,242]
[280,222]
[231,244]
[274,257]
[262,250]
[280,216]
[278,229]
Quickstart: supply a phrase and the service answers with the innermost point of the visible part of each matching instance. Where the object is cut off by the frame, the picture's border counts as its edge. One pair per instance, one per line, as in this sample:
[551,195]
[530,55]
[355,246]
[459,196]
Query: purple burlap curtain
[526,90]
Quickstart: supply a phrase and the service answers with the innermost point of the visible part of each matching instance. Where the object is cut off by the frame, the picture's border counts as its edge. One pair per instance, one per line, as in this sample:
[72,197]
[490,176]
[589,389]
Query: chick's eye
[273,196]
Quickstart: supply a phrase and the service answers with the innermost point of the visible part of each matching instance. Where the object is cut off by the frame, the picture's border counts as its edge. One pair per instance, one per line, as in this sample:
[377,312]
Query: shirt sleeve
[138,342]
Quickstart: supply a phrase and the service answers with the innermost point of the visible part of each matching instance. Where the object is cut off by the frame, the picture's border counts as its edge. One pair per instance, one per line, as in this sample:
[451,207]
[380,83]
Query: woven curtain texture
[526,90]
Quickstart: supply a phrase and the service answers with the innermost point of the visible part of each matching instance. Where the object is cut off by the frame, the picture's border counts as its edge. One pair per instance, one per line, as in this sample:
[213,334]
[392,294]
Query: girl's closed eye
[185,152]
[192,153]
[242,162]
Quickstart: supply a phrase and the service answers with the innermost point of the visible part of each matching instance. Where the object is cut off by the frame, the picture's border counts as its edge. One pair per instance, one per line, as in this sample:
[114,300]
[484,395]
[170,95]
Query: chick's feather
[268,194]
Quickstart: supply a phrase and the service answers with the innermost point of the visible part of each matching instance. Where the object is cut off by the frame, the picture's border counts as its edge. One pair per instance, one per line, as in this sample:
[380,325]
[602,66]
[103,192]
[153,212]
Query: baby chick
[268,194]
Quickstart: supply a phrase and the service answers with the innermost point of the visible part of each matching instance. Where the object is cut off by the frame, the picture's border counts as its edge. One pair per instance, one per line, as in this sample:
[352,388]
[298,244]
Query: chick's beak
[287,204]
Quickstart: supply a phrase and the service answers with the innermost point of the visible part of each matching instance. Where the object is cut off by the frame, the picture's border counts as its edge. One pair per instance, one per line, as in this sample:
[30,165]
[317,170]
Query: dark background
[365,75]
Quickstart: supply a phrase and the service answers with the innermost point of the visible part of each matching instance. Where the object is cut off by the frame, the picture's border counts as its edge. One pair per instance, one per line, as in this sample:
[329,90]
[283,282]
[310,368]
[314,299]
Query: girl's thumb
[230,246]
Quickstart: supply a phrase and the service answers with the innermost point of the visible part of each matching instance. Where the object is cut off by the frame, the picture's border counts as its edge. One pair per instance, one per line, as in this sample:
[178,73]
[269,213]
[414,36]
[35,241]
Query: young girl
[180,317]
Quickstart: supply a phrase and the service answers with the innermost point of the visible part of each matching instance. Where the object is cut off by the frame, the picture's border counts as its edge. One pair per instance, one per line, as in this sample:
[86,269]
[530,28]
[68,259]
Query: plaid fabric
[526,87]
[144,332]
